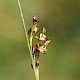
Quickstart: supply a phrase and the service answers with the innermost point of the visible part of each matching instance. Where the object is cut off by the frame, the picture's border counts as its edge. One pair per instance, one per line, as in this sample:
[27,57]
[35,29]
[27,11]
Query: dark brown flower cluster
[41,45]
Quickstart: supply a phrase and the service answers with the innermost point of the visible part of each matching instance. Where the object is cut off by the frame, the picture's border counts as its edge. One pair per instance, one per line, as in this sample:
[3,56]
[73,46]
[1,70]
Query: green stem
[26,36]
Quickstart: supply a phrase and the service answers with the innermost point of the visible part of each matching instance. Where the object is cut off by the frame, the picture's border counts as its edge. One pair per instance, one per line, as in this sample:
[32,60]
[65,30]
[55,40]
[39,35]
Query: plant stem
[37,73]
[27,40]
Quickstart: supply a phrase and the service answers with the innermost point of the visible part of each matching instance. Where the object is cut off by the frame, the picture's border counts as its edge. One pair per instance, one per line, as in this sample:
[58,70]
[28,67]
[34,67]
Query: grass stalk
[27,40]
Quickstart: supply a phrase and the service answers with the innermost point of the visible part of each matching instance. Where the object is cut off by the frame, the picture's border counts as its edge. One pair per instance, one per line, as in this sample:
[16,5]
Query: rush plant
[41,45]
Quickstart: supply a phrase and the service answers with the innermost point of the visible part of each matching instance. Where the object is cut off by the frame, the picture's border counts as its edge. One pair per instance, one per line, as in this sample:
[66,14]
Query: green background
[61,18]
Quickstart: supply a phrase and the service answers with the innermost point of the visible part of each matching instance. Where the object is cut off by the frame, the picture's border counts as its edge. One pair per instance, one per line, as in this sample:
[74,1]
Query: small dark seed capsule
[47,39]
[40,44]
[37,63]
[29,31]
[37,45]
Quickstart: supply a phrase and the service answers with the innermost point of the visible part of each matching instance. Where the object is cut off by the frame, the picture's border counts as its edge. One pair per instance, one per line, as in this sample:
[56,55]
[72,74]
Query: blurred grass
[62,21]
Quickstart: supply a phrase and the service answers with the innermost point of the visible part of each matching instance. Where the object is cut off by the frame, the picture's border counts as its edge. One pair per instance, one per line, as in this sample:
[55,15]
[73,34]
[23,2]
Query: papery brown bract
[29,31]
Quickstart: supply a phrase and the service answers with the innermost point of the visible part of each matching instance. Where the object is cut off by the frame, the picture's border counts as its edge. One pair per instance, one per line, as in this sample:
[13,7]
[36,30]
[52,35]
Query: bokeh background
[62,21]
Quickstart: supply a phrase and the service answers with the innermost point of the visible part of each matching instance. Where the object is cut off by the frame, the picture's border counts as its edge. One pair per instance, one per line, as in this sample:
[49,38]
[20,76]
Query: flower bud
[35,20]
[37,63]
[44,30]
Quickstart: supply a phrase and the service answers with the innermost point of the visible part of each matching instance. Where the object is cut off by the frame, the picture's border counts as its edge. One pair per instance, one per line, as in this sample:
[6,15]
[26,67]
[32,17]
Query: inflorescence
[43,41]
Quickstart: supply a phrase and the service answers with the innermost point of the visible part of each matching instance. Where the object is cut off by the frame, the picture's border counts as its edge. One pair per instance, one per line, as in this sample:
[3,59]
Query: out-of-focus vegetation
[62,21]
